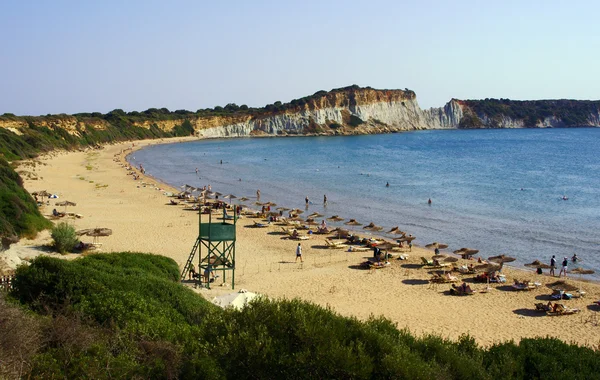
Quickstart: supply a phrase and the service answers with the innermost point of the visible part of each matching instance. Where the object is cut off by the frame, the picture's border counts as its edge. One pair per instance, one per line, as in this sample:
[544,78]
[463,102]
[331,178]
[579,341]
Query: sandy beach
[142,220]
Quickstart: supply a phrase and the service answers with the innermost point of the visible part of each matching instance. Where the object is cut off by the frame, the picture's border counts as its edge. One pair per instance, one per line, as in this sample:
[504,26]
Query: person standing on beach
[565,264]
[299,253]
[258,195]
[306,200]
[552,265]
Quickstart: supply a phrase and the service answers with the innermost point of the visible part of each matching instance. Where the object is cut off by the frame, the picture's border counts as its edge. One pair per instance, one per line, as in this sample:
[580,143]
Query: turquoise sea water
[499,191]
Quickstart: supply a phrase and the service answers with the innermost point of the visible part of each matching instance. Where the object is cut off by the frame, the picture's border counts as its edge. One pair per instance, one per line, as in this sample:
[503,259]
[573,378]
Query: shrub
[65,237]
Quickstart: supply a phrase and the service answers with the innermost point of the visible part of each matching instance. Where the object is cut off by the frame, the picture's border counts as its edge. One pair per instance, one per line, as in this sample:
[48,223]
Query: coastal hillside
[124,315]
[344,111]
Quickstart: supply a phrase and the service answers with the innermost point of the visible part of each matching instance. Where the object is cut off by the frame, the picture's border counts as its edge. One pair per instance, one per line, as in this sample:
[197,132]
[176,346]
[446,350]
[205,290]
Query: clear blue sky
[84,56]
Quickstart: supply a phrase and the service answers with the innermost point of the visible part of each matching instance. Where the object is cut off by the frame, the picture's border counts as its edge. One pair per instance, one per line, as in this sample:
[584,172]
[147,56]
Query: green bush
[19,214]
[125,315]
[65,237]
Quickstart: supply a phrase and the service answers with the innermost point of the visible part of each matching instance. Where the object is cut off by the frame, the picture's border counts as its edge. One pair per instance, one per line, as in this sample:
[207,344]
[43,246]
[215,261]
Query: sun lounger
[426,262]
[260,225]
[331,244]
[442,279]
[561,309]
[525,285]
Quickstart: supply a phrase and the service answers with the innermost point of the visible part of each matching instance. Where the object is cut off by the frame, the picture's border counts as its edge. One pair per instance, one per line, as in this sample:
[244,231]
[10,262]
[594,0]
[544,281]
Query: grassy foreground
[124,315]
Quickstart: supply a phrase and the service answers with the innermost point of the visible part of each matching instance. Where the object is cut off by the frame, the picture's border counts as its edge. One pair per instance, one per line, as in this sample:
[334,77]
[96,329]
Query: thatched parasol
[352,222]
[445,258]
[538,264]
[66,203]
[282,208]
[371,226]
[407,238]
[487,267]
[437,245]
[96,233]
[466,252]
[41,193]
[297,211]
[335,218]
[386,245]
[501,259]
[315,215]
[582,271]
[562,285]
[230,197]
[244,199]
[270,204]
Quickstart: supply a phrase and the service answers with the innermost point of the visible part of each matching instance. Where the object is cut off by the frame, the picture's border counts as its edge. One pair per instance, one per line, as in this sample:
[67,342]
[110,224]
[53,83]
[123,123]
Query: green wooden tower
[215,246]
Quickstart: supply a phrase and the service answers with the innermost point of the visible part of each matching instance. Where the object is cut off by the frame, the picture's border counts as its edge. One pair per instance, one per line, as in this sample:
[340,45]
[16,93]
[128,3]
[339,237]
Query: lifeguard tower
[215,246]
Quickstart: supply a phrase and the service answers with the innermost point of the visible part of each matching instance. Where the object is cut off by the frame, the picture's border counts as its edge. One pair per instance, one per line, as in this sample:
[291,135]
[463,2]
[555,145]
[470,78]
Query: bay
[499,191]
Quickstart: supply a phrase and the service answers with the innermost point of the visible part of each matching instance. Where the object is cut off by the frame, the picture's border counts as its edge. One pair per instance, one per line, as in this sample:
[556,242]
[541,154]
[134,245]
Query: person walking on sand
[565,265]
[552,265]
[299,253]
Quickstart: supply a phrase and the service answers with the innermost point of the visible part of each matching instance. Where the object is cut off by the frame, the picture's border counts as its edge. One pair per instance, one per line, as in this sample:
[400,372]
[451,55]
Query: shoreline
[142,221]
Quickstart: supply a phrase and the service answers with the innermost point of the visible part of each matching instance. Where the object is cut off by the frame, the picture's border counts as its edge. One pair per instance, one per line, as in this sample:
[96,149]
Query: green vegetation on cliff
[19,214]
[123,315]
[573,113]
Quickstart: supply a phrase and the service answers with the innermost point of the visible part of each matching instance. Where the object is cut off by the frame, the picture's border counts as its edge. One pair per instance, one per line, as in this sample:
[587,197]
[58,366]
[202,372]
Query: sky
[96,56]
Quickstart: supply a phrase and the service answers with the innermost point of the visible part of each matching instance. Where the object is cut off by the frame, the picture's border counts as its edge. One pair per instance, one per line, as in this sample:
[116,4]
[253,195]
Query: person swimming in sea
[564,198]
[429,201]
[387,184]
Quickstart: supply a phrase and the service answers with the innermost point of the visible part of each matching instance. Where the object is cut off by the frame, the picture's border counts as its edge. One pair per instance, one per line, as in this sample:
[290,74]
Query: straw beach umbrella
[538,264]
[487,267]
[581,271]
[407,238]
[372,227]
[96,233]
[230,197]
[466,252]
[41,193]
[335,218]
[445,258]
[501,259]
[396,231]
[352,222]
[562,285]
[66,203]
[437,245]
[315,215]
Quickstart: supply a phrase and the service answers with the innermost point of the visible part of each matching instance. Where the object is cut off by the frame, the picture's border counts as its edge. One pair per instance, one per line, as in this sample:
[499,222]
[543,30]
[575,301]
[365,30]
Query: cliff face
[351,110]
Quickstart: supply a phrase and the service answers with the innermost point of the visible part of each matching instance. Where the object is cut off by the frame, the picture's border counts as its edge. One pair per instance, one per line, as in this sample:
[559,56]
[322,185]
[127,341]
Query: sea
[526,193]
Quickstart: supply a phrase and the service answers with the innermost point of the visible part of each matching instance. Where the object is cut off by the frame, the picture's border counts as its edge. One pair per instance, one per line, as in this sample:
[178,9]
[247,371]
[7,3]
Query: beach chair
[561,309]
[525,285]
[542,307]
[331,244]
[260,225]
[426,262]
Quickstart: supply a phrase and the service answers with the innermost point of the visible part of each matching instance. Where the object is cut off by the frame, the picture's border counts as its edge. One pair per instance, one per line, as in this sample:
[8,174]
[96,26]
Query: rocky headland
[345,111]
